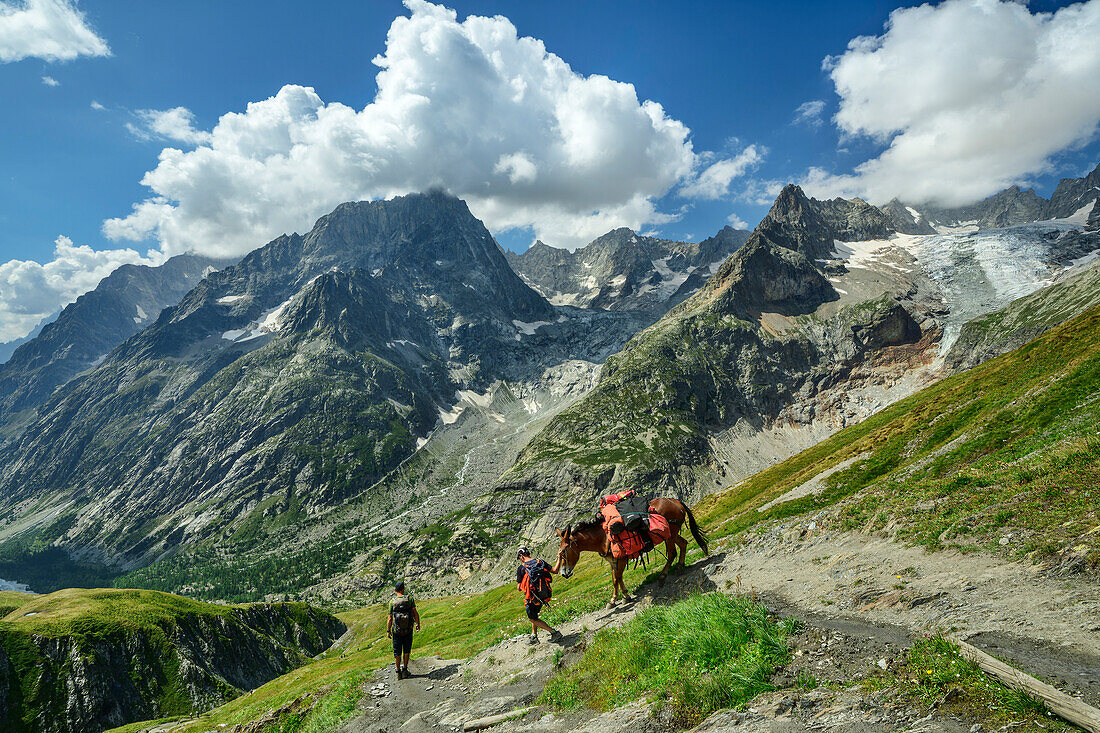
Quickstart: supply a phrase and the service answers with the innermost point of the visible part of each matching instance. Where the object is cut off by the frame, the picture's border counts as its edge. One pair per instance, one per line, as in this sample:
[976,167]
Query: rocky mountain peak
[809,226]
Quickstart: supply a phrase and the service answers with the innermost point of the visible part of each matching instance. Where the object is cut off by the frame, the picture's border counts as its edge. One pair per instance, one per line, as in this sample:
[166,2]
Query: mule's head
[568,552]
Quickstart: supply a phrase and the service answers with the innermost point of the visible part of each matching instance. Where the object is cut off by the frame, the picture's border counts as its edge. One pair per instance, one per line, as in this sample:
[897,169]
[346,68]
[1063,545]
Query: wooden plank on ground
[1069,708]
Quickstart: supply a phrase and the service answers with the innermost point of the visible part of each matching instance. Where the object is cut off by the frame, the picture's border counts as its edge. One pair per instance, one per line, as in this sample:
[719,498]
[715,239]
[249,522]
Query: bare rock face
[624,270]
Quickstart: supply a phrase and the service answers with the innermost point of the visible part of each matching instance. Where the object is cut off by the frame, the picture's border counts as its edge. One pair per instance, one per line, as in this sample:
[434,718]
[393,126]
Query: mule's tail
[700,538]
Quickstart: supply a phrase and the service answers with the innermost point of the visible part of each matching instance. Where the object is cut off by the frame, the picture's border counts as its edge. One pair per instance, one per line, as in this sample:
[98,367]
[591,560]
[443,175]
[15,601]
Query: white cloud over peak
[714,181]
[177,124]
[30,291]
[467,106]
[809,113]
[51,30]
[970,96]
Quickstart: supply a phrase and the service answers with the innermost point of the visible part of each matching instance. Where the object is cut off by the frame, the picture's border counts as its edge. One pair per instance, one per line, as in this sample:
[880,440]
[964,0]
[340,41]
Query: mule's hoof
[611,604]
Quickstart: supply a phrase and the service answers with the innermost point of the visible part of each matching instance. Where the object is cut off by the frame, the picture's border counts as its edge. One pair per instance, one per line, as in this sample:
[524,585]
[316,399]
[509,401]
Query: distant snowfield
[978,272]
[1081,216]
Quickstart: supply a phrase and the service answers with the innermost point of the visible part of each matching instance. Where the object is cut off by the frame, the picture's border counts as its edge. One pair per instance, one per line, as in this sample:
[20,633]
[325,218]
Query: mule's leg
[670,555]
[615,573]
[682,544]
[620,570]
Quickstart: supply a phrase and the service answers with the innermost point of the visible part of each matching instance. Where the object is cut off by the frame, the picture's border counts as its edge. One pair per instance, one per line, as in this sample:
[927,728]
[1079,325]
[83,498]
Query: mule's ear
[568,531]
[558,531]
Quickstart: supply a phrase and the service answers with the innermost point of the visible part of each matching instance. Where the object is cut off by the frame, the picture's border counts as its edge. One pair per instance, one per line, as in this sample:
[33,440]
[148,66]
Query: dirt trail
[862,601]
[1049,626]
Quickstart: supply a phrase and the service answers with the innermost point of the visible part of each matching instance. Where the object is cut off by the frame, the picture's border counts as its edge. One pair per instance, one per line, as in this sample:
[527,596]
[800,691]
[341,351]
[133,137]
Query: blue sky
[731,75]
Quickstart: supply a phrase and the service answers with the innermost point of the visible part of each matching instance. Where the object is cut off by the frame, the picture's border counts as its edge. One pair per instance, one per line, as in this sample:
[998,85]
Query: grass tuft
[700,654]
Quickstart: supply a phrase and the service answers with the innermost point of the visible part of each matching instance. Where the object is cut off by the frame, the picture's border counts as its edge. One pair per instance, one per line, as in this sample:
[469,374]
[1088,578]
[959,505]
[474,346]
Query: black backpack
[538,582]
[634,510]
[401,608]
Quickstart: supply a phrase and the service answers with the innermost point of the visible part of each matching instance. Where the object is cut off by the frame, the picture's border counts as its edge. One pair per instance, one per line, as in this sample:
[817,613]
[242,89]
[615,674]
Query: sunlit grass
[701,654]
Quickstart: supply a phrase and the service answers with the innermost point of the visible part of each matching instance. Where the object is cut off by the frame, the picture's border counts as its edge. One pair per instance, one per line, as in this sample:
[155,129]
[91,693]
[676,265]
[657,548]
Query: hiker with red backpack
[533,580]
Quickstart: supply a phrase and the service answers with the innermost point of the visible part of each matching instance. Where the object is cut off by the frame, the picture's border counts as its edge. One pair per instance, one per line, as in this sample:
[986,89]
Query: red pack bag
[612,520]
[659,528]
[628,545]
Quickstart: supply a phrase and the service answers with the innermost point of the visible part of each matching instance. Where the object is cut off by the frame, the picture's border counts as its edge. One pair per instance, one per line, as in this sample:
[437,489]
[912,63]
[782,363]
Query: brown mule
[591,537]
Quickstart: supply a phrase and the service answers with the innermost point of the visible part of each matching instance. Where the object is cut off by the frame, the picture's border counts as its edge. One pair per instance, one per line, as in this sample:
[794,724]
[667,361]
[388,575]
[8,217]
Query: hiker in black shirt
[533,577]
[399,627]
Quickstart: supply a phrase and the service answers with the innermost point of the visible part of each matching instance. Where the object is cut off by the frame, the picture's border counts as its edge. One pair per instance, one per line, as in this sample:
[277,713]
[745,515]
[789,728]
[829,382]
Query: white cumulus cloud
[968,96]
[737,222]
[50,81]
[467,105]
[51,30]
[29,291]
[714,181]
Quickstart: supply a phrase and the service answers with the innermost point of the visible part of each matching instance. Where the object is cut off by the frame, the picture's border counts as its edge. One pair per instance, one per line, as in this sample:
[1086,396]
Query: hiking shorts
[402,644]
[533,610]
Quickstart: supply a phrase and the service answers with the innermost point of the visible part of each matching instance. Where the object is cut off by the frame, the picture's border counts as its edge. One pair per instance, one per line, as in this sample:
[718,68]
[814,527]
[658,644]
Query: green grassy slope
[126,654]
[1008,448]
[11,600]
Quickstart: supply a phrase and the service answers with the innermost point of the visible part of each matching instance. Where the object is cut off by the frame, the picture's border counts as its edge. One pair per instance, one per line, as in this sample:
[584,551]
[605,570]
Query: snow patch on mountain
[528,329]
[1079,217]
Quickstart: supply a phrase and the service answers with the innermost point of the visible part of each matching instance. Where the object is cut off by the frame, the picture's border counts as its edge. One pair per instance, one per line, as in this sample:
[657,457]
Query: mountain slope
[624,270]
[124,302]
[90,660]
[8,347]
[1006,449]
[285,385]
[743,351]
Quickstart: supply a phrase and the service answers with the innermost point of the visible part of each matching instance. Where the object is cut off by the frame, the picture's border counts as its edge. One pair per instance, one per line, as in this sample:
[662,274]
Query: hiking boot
[556,636]
[405,674]
[534,639]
